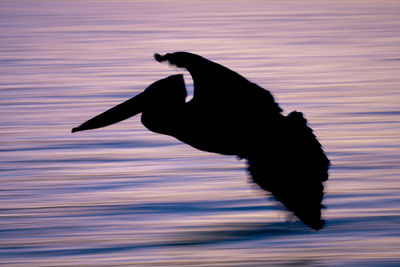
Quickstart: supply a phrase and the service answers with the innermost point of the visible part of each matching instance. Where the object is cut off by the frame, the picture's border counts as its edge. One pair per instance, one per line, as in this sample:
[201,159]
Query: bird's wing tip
[159,57]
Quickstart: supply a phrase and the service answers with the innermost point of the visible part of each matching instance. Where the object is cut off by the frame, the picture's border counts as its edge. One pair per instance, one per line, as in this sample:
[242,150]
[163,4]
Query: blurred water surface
[125,196]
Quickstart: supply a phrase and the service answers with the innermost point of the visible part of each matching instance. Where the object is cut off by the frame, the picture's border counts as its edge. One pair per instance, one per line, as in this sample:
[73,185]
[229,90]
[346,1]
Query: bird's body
[226,111]
[230,115]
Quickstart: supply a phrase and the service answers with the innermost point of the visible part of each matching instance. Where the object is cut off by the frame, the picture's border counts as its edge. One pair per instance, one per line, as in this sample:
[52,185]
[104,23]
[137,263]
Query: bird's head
[159,95]
[165,92]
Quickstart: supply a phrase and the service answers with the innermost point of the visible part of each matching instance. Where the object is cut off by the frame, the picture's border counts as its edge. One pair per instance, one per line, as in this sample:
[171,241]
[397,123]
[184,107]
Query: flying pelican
[230,115]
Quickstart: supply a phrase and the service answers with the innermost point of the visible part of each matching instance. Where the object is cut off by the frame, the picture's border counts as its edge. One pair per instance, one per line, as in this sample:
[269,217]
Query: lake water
[124,196]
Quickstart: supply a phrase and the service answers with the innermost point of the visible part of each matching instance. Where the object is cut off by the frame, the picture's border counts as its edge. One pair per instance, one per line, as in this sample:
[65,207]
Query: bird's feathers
[293,170]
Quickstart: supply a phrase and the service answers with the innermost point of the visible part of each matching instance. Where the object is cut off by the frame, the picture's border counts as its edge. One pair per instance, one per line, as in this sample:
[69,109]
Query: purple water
[124,196]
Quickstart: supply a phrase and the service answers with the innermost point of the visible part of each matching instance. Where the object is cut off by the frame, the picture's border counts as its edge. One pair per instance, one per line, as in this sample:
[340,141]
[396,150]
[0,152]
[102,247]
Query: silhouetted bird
[232,116]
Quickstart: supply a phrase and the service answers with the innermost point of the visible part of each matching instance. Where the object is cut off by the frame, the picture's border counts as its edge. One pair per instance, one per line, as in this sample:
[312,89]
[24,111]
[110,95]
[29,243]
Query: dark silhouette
[233,116]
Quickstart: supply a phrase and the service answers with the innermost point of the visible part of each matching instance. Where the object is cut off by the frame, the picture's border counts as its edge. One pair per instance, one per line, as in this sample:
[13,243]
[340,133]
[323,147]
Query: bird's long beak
[116,114]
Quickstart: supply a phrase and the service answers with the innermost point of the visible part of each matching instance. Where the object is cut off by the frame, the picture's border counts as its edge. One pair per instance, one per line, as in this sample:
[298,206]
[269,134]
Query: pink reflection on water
[127,196]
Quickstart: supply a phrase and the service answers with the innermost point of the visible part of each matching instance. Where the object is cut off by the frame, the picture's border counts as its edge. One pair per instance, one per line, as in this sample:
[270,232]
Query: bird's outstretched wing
[293,169]
[211,80]
[216,84]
